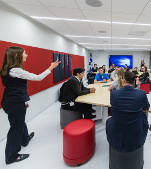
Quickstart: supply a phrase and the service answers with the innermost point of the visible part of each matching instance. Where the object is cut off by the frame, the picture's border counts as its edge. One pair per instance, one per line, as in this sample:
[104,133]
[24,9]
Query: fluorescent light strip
[119,48]
[91,21]
[69,19]
[106,37]
[112,44]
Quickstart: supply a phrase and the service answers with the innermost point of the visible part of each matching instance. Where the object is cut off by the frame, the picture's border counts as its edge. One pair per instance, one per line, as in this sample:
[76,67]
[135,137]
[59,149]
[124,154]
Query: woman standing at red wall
[14,101]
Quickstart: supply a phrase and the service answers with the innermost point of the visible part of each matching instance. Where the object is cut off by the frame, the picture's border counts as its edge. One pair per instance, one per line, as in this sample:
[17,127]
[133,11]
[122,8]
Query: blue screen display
[121,60]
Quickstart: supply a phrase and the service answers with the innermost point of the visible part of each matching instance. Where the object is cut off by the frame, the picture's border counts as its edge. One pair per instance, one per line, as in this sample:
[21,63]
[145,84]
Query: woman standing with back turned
[14,101]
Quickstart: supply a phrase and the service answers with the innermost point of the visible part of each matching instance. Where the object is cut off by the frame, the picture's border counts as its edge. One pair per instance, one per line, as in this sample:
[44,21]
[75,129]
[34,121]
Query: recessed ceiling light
[94,3]
[102,31]
[137,33]
[105,41]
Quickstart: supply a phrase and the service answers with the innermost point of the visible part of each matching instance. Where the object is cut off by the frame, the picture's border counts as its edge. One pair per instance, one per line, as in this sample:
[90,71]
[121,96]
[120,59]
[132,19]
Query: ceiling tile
[60,3]
[128,6]
[145,18]
[55,25]
[143,29]
[24,2]
[32,10]
[66,12]
[97,15]
[80,29]
[122,17]
[147,10]
[104,28]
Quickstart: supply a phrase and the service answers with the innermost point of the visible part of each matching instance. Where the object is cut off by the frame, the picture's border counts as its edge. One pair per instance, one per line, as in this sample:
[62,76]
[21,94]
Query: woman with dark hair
[95,68]
[135,71]
[142,63]
[14,101]
[126,68]
[144,78]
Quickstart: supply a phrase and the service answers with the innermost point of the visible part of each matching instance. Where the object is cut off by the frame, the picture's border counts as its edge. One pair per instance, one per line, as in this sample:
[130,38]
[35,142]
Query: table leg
[98,112]
[101,113]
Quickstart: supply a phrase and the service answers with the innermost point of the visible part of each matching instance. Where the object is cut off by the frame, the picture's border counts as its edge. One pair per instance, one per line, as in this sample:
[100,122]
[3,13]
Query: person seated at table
[117,83]
[127,129]
[113,66]
[104,68]
[142,63]
[144,78]
[92,74]
[114,73]
[71,90]
[135,71]
[95,68]
[126,68]
[110,69]
[101,77]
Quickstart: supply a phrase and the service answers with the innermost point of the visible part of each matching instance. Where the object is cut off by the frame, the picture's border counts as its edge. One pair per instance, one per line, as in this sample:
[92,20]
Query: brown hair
[120,75]
[13,58]
[129,77]
[145,68]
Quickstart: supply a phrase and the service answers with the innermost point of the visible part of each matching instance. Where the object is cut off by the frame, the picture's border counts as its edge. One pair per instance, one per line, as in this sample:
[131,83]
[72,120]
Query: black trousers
[83,108]
[18,132]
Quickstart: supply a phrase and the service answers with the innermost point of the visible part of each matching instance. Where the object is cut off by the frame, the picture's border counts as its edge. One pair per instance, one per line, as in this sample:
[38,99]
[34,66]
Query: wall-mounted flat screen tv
[121,60]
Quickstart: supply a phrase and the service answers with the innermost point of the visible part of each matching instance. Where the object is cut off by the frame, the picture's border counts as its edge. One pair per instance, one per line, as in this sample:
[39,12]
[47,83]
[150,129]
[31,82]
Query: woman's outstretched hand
[54,64]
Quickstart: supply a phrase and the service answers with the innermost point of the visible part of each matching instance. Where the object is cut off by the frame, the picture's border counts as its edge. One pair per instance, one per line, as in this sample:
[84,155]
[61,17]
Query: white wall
[17,28]
[102,57]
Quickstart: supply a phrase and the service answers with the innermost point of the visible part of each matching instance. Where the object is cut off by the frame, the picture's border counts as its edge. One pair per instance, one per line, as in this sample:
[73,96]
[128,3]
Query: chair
[78,141]
[128,160]
[66,116]
[90,77]
[145,87]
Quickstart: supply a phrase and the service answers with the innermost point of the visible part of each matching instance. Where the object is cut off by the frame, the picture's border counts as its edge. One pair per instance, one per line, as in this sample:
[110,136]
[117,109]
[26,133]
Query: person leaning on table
[117,83]
[14,101]
[73,88]
[127,129]
[101,77]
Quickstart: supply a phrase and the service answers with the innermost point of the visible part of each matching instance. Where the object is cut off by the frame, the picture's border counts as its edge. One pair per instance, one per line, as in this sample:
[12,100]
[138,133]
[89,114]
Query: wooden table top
[101,97]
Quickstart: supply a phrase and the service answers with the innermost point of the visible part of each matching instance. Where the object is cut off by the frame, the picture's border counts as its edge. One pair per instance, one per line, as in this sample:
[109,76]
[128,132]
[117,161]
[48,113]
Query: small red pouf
[145,87]
[78,141]
[150,84]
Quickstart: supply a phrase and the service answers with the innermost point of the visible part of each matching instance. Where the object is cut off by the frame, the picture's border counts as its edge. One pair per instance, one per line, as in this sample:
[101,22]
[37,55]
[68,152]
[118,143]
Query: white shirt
[78,78]
[23,74]
[113,75]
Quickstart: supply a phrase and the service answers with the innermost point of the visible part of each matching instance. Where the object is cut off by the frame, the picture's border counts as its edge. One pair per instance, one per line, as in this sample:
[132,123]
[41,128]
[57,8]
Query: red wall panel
[77,61]
[38,60]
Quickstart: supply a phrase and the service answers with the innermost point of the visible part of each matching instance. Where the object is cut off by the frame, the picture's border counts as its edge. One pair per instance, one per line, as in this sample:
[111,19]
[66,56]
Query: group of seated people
[127,129]
[101,75]
[74,86]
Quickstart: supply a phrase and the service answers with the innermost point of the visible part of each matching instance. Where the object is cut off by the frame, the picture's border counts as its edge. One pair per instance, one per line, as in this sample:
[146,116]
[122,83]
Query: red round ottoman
[78,141]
